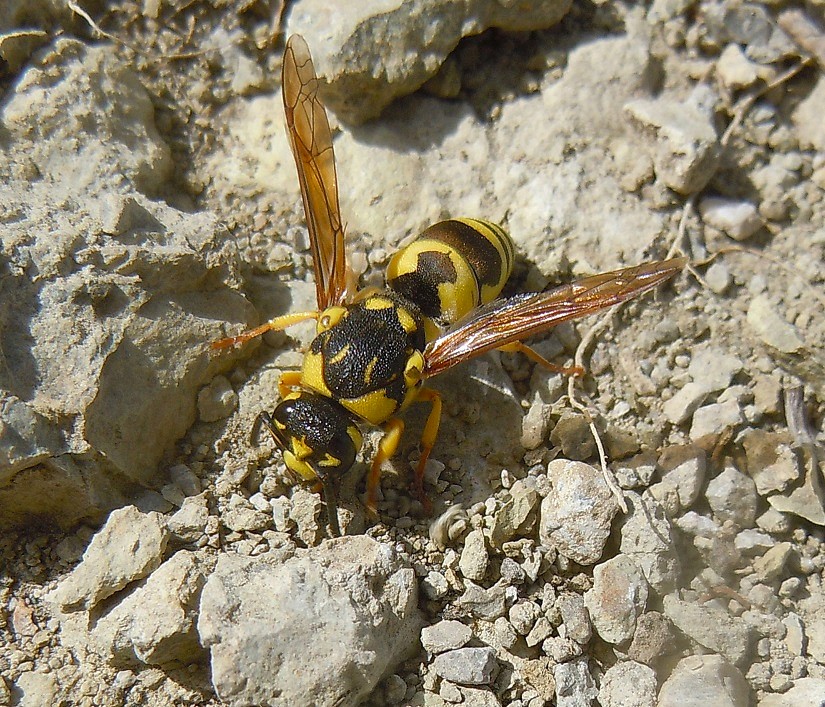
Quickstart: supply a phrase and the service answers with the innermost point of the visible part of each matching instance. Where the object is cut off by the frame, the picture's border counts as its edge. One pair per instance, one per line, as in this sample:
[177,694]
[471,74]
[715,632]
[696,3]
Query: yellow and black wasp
[374,349]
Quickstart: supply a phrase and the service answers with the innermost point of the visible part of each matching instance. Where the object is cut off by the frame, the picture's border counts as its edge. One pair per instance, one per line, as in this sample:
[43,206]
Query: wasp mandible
[375,349]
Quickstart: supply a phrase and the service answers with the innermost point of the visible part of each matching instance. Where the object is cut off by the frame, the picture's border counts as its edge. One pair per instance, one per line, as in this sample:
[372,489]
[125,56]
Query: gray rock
[576,517]
[770,328]
[395,689]
[628,684]
[806,500]
[540,631]
[803,692]
[767,392]
[351,596]
[475,696]
[35,689]
[511,572]
[750,541]
[523,615]
[504,635]
[771,462]
[683,475]
[217,400]
[445,636]
[647,538]
[715,418]
[701,680]
[561,650]
[306,511]
[713,369]
[775,522]
[572,433]
[733,497]
[638,471]
[483,603]
[155,624]
[807,118]
[188,524]
[408,40]
[514,515]
[127,548]
[182,477]
[738,219]
[718,277]
[435,585]
[734,69]
[576,620]
[474,556]
[467,666]
[795,638]
[653,640]
[685,402]
[241,516]
[712,628]
[691,523]
[537,421]
[617,599]
[683,141]
[114,298]
[815,627]
[575,686]
[770,567]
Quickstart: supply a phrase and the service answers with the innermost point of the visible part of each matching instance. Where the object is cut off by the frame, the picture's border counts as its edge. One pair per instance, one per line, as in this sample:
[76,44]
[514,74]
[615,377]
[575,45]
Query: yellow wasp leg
[536,357]
[428,438]
[393,429]
[287,381]
[276,324]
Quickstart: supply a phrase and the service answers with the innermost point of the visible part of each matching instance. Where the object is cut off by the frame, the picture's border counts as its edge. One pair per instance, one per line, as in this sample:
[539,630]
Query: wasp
[375,349]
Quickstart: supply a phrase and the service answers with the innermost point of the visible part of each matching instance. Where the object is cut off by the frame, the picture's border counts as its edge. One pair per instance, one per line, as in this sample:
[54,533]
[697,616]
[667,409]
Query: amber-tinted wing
[504,321]
[311,141]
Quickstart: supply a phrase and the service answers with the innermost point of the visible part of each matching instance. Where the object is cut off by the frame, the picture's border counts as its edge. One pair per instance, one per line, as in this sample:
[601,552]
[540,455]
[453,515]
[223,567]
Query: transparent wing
[507,320]
[311,141]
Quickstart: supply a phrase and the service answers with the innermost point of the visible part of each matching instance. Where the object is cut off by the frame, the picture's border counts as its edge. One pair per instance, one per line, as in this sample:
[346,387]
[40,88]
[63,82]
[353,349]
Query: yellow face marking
[329,460]
[300,448]
[299,466]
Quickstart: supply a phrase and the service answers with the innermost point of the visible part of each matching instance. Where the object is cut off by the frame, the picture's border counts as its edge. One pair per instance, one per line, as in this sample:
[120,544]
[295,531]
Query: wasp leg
[276,324]
[536,357]
[287,381]
[428,438]
[393,429]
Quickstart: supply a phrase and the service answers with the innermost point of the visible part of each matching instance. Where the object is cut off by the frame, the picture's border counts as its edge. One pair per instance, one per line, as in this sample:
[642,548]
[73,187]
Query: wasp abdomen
[453,267]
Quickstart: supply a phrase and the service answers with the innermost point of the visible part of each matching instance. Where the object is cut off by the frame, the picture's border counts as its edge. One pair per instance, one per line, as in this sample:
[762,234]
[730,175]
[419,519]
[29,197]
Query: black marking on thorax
[367,350]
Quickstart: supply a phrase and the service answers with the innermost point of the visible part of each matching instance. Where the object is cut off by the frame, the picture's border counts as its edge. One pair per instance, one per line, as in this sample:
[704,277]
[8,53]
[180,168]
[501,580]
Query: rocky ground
[154,551]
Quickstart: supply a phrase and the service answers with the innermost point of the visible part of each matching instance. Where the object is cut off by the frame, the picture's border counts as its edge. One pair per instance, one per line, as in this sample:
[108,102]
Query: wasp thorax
[319,438]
